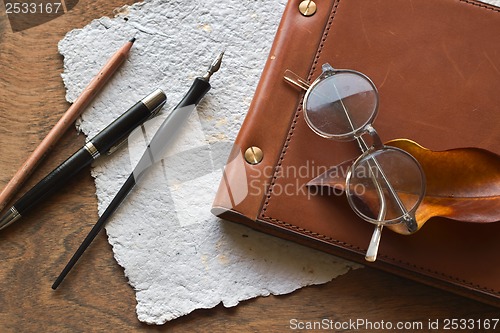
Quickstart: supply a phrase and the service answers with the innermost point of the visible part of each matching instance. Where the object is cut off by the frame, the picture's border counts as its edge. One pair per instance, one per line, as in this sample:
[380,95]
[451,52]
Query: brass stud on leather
[307,7]
[254,155]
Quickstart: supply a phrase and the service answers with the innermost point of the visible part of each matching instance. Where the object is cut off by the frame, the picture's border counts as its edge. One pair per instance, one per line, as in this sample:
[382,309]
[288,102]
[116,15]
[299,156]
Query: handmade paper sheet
[178,256]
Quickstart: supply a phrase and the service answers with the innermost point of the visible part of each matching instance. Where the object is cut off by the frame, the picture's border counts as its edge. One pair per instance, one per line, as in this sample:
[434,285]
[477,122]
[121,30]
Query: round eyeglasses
[384,185]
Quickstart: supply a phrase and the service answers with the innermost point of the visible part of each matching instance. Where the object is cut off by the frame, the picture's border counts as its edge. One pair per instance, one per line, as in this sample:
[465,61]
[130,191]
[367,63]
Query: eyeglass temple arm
[410,221]
[372,251]
[296,80]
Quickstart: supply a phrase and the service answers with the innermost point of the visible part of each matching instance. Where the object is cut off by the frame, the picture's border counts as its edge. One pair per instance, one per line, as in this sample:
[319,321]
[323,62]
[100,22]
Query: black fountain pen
[102,143]
[160,141]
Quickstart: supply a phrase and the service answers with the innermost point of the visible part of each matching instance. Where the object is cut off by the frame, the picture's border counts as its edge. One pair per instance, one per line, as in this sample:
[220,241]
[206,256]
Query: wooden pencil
[69,117]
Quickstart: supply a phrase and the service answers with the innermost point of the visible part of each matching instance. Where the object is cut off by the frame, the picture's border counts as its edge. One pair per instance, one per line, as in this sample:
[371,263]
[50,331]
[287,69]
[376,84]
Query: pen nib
[214,67]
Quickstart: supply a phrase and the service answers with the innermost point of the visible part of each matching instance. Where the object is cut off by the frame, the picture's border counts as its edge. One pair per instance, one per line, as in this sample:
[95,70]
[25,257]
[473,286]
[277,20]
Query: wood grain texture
[96,296]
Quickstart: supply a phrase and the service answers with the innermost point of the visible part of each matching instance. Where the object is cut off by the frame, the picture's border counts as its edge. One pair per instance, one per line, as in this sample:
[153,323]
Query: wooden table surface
[96,296]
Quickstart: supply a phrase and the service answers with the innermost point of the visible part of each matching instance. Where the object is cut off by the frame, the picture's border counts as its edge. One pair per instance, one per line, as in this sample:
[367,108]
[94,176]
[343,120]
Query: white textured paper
[176,255]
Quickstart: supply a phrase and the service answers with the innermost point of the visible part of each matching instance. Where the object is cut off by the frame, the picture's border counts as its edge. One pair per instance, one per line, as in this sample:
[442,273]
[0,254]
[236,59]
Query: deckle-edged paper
[177,256]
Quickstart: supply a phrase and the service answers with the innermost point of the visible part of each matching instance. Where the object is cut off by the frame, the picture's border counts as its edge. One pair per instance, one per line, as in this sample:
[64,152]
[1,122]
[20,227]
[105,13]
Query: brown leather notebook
[436,64]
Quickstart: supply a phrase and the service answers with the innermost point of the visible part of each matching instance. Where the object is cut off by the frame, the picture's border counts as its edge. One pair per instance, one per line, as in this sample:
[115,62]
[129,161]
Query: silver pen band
[153,100]
[92,150]
[9,218]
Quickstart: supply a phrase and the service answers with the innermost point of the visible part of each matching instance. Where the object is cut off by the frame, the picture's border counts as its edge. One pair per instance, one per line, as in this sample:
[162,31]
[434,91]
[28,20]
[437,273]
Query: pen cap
[119,129]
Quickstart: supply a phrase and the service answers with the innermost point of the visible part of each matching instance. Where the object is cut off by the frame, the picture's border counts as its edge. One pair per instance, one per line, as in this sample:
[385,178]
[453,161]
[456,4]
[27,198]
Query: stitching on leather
[299,109]
[481,5]
[449,277]
[329,239]
[315,234]
[387,258]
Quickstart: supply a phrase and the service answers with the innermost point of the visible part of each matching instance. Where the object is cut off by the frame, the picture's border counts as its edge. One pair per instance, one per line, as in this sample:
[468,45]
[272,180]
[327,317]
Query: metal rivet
[254,155]
[307,7]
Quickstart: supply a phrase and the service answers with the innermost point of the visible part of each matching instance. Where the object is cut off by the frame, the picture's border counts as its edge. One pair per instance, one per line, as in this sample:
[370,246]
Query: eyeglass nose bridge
[376,142]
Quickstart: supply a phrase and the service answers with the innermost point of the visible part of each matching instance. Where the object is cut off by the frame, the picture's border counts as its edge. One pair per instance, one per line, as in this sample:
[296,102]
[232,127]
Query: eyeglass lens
[385,185]
[341,105]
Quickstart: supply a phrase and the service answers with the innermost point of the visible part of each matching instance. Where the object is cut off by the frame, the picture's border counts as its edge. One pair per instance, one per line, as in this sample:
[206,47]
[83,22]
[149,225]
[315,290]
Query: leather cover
[436,64]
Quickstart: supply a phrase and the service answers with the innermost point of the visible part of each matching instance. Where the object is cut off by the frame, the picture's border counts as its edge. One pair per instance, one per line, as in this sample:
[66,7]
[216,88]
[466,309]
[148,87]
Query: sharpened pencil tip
[132,40]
